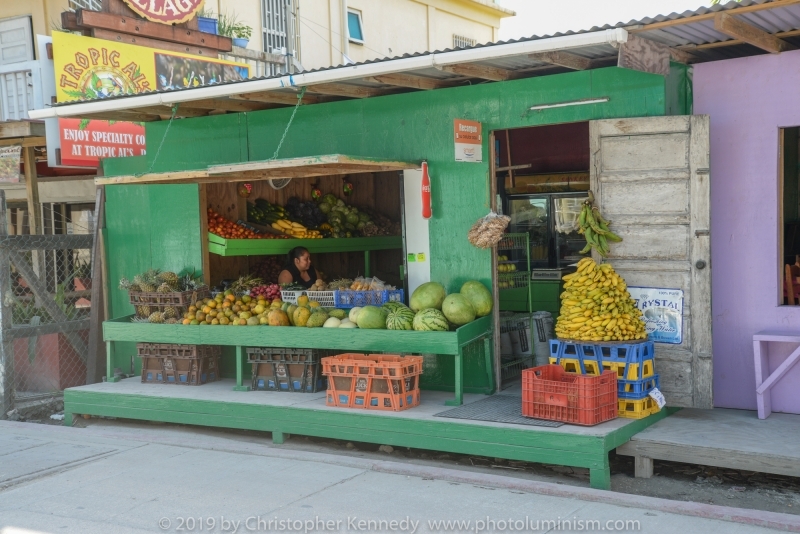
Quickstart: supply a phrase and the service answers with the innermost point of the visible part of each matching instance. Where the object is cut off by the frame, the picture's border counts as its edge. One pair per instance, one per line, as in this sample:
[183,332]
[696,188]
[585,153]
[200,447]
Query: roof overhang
[425,71]
[305,167]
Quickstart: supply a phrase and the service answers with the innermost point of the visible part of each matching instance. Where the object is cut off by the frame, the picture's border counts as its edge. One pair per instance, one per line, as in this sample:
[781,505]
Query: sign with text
[166,11]
[85,142]
[468,139]
[662,311]
[87,68]
[9,163]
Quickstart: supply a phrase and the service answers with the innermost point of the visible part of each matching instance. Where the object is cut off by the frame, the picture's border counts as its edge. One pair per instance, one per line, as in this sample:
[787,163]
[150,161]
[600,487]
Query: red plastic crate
[373,382]
[549,392]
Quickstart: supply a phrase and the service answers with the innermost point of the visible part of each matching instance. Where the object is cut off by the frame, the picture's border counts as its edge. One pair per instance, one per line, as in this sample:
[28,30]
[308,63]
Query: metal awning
[305,167]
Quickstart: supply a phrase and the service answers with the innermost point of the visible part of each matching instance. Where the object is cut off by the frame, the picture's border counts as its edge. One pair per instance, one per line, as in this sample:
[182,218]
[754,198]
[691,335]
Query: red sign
[166,11]
[85,142]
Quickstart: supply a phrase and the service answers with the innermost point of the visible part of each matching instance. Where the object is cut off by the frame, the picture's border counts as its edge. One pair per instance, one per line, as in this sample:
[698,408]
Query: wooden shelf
[276,247]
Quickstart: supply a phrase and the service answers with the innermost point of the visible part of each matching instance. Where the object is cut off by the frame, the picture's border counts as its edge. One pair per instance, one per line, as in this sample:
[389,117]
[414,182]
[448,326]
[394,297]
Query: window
[355,28]
[459,41]
[279,21]
[94,5]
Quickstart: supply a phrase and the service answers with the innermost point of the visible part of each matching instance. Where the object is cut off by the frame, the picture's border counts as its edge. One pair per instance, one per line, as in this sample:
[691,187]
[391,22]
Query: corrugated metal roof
[691,31]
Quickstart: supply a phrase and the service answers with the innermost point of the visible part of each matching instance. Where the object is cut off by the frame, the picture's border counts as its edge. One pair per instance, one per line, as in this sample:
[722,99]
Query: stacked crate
[633,364]
[373,382]
[293,370]
[189,365]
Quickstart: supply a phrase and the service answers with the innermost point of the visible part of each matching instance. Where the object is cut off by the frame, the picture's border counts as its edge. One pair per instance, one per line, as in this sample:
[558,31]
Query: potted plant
[241,35]
[239,32]
[206,22]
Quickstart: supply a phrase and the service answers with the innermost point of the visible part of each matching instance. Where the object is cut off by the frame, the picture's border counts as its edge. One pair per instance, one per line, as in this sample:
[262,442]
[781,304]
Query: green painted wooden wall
[411,126]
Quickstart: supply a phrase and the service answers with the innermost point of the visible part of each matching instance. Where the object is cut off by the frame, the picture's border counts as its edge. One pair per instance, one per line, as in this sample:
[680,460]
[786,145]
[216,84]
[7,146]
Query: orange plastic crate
[373,382]
[549,392]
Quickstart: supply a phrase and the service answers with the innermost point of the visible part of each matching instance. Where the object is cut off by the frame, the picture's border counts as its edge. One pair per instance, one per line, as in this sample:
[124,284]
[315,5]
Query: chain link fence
[45,306]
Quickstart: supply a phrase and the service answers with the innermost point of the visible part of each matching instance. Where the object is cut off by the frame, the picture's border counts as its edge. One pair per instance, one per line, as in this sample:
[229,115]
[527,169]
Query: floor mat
[498,409]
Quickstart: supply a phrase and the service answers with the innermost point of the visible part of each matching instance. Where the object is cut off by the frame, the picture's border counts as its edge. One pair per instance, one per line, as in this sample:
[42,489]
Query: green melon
[317,319]
[430,319]
[400,319]
[458,309]
[339,314]
[479,296]
[371,317]
[428,295]
[393,306]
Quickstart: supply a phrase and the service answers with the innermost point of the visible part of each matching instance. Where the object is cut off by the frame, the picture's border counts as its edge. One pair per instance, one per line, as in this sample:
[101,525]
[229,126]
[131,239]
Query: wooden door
[650,177]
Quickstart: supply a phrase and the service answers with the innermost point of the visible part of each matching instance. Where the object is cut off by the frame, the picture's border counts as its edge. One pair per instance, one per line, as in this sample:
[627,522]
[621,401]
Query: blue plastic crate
[631,361]
[359,299]
[636,389]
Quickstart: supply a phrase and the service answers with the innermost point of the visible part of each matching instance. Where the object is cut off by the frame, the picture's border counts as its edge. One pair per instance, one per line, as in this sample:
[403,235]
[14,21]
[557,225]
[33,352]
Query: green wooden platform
[217,405]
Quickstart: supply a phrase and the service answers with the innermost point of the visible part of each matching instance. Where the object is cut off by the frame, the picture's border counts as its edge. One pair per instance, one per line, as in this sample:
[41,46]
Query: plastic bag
[488,231]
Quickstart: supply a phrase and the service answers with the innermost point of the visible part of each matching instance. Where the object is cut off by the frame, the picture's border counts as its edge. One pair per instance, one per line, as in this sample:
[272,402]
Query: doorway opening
[790,215]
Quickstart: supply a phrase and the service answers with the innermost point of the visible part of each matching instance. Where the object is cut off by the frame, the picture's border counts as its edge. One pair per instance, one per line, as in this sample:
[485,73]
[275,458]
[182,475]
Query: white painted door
[650,177]
[418,249]
[16,40]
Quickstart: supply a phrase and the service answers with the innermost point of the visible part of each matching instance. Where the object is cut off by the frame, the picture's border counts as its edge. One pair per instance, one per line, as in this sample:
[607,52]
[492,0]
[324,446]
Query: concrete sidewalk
[119,479]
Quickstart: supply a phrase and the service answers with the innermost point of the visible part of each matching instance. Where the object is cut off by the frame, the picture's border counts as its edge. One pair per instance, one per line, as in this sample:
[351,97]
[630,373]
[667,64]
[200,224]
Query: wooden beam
[122,115]
[138,40]
[563,59]
[222,104]
[644,55]
[350,91]
[410,81]
[152,30]
[748,33]
[732,42]
[271,97]
[710,16]
[21,129]
[24,141]
[682,56]
[471,70]
[166,111]
[32,191]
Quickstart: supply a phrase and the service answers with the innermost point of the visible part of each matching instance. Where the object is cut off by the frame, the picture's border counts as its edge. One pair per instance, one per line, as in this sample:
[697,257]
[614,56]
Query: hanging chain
[161,144]
[280,144]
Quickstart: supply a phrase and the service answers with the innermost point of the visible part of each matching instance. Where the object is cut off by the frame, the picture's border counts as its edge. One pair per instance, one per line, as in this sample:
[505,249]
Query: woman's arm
[285,277]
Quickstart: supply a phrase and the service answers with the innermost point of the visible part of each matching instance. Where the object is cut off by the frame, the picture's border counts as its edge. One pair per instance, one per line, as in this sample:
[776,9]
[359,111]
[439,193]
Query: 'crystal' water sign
[662,310]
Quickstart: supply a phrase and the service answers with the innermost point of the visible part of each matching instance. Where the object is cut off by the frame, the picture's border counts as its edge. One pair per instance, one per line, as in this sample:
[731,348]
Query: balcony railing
[20,90]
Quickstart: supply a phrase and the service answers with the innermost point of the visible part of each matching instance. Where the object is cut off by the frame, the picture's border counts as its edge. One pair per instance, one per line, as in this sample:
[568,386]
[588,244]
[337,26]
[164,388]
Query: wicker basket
[180,300]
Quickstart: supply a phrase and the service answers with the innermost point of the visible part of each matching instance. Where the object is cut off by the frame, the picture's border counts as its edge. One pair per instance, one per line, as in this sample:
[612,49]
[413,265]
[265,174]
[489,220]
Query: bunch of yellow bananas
[595,228]
[296,229]
[596,306]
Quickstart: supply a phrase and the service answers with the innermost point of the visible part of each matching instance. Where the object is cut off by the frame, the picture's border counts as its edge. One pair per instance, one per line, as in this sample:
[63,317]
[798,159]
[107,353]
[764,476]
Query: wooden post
[94,367]
[498,379]
[32,189]
[7,344]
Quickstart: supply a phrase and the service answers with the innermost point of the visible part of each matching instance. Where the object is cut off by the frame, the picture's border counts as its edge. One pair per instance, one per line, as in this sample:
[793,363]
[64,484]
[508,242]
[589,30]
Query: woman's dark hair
[295,254]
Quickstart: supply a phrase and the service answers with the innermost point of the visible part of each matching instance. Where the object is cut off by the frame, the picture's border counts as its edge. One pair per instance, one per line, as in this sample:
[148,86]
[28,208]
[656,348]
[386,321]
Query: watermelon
[371,317]
[428,295]
[458,309]
[479,296]
[400,319]
[393,306]
[430,319]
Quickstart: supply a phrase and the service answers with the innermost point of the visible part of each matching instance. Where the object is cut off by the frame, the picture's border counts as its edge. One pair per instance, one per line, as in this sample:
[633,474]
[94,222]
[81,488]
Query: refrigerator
[550,219]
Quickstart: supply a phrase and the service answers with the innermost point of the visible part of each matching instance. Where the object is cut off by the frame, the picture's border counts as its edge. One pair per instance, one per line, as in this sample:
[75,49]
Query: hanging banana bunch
[595,228]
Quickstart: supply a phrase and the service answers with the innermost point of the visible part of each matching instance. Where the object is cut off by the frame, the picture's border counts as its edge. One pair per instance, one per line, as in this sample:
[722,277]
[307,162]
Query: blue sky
[543,17]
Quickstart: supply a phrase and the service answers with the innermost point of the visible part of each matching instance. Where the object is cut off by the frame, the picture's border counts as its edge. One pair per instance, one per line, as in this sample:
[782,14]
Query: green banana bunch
[595,228]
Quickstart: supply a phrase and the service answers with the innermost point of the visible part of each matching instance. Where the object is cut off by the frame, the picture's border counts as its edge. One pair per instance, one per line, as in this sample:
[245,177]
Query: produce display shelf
[266,247]
[347,340]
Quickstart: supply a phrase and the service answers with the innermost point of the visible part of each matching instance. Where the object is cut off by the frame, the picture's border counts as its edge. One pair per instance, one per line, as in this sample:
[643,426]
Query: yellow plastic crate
[637,408]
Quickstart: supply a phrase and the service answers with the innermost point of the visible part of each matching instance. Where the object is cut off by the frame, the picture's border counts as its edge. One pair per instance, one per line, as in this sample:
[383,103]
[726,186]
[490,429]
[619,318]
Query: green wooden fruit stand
[351,340]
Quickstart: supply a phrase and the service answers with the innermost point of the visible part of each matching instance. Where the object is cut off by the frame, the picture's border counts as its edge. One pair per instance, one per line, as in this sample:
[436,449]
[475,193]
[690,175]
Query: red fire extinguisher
[426,192]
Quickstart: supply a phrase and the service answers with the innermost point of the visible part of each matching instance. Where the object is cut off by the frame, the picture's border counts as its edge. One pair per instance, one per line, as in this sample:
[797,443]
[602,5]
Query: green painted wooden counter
[355,340]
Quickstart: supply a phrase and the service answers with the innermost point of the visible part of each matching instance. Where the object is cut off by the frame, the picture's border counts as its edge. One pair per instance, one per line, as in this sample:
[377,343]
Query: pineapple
[165,288]
[170,313]
[143,311]
[125,284]
[156,318]
[140,320]
[171,320]
[170,278]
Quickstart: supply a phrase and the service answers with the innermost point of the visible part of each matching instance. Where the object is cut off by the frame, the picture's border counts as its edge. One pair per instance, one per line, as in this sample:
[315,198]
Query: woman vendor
[299,269]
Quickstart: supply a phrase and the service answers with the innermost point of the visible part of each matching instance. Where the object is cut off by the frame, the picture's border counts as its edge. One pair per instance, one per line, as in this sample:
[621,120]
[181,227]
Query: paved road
[130,479]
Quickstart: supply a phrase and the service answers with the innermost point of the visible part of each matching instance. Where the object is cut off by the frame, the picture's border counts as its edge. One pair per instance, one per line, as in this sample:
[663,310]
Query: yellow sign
[88,68]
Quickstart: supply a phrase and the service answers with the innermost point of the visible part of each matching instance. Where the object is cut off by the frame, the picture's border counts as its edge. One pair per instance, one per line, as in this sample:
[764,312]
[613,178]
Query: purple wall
[748,100]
